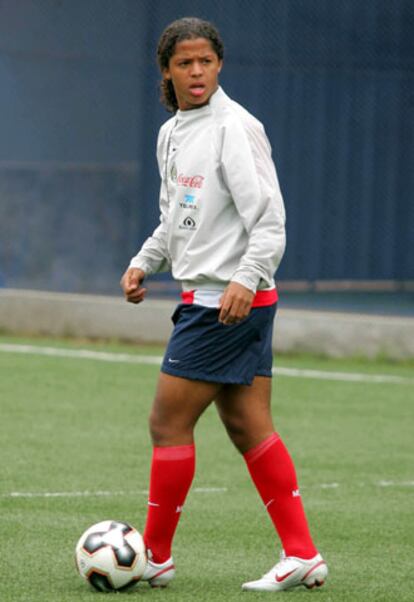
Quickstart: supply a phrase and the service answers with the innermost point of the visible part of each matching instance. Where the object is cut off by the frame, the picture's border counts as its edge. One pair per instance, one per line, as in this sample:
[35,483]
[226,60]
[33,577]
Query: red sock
[172,472]
[273,473]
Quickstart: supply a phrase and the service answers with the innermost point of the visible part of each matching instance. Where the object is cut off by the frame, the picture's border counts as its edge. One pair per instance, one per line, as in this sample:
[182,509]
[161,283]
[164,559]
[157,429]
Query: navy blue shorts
[201,348]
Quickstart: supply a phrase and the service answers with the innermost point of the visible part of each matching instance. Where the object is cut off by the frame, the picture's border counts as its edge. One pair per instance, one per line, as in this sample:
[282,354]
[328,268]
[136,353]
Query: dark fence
[332,80]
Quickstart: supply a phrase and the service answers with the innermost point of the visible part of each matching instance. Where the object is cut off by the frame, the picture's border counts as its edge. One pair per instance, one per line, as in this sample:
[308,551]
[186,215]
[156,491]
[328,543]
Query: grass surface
[73,425]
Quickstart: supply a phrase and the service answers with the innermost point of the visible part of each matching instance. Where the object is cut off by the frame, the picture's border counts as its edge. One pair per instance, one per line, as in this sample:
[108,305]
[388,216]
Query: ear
[166,74]
[220,66]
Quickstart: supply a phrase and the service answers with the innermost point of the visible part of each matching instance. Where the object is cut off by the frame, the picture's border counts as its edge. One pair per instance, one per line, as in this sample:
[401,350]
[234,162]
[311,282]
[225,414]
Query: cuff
[248,280]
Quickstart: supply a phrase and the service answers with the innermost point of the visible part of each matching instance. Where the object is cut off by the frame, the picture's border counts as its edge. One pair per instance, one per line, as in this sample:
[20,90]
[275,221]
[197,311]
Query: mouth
[197,89]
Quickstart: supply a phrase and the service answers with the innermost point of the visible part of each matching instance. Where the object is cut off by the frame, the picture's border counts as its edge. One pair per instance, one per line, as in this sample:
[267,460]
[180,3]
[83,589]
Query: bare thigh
[246,412]
[177,406]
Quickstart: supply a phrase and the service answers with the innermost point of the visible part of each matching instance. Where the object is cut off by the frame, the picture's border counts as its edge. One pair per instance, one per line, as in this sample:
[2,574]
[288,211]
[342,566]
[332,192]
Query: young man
[222,234]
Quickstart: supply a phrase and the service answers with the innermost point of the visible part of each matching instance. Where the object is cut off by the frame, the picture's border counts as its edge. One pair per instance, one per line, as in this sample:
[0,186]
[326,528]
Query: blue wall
[333,83]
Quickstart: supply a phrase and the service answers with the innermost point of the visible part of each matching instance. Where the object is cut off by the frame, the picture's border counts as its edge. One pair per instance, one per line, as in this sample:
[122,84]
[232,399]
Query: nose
[196,69]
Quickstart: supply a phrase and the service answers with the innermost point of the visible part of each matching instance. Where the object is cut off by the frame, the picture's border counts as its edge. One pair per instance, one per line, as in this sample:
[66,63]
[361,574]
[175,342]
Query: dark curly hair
[186,28]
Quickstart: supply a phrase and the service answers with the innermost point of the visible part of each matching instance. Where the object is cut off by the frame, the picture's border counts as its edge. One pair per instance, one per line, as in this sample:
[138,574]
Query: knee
[169,431]
[160,431]
[238,432]
[246,434]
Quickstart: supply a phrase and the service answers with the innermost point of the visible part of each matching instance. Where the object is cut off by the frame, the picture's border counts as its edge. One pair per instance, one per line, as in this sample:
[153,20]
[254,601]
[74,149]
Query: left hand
[235,303]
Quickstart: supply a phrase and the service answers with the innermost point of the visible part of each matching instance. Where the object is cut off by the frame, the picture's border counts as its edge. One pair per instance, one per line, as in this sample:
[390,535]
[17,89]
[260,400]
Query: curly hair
[186,28]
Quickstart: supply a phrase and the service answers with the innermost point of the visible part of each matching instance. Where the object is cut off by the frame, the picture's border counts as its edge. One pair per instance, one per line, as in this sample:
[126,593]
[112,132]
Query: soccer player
[222,235]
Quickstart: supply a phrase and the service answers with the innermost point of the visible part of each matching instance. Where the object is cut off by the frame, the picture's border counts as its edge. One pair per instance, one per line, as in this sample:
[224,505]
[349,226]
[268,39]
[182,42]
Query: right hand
[131,285]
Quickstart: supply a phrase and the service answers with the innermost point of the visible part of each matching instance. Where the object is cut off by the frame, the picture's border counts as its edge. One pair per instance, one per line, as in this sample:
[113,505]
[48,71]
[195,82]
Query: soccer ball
[111,556]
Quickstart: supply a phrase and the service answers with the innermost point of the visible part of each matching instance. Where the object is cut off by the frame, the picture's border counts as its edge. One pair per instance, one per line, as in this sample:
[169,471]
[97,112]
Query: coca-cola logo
[190,181]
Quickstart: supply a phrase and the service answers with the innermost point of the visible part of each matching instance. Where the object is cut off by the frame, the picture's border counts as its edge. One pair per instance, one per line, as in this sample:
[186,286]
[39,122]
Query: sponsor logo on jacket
[189,202]
[190,181]
[188,224]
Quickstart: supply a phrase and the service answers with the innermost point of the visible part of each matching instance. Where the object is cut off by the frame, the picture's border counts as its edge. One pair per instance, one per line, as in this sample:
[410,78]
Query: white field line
[395,483]
[128,358]
[202,490]
[342,376]
[69,494]
[56,494]
[85,354]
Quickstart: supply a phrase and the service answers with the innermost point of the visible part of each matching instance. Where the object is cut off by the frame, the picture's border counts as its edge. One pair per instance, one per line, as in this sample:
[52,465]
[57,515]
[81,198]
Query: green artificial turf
[73,434]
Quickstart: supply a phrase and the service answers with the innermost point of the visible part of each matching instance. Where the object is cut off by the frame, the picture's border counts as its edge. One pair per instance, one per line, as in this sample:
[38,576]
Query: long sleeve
[250,175]
[153,256]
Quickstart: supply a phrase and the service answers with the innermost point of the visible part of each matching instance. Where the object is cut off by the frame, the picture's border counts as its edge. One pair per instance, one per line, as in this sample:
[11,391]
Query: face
[193,69]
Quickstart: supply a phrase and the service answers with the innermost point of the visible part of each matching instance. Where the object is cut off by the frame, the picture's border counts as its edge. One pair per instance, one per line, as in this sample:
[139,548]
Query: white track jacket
[222,213]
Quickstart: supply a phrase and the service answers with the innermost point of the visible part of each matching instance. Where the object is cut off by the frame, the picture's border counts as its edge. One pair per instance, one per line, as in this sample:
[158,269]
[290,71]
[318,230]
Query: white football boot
[158,575]
[290,572]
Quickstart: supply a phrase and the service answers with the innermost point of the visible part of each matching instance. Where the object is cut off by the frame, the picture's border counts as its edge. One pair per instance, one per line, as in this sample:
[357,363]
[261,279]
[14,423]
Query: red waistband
[187,297]
[261,298]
